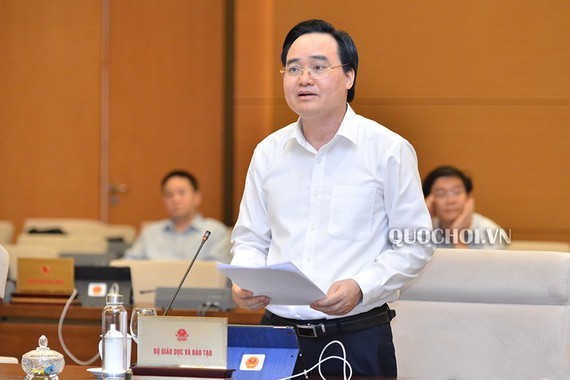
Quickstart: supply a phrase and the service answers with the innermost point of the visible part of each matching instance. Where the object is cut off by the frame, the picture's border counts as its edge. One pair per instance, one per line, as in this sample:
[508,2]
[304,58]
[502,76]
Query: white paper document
[284,283]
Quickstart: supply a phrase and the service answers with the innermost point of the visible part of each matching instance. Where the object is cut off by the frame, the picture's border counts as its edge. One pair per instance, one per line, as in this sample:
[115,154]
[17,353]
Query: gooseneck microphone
[204,238]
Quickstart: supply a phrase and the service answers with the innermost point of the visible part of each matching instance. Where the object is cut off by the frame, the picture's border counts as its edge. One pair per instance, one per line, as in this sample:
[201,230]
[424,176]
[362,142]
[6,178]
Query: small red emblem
[45,269]
[182,335]
[252,362]
[97,290]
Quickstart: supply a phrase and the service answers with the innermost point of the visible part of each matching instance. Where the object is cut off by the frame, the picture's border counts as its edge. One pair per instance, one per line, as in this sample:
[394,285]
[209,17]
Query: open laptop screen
[94,282]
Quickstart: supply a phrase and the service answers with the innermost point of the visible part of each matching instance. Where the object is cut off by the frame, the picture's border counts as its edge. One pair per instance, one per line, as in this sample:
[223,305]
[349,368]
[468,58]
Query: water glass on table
[137,312]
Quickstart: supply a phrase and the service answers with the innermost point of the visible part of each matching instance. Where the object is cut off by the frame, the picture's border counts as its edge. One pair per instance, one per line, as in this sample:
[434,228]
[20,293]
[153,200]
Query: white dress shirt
[485,234]
[330,211]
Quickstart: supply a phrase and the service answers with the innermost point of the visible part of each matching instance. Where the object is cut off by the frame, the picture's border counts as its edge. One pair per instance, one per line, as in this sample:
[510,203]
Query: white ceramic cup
[129,347]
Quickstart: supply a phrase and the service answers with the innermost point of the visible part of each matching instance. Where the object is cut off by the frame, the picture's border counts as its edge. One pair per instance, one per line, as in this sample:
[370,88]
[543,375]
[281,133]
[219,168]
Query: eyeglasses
[316,70]
[454,193]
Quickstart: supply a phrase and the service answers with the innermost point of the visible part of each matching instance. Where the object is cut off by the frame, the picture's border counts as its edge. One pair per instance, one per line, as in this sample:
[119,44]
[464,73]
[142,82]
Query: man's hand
[245,299]
[341,298]
[430,203]
[463,221]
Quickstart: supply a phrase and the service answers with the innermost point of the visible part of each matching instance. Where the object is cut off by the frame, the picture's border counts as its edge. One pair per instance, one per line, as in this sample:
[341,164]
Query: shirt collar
[349,126]
[348,129]
[196,224]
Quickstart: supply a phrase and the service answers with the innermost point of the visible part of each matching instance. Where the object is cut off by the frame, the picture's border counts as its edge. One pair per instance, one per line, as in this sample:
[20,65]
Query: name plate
[182,341]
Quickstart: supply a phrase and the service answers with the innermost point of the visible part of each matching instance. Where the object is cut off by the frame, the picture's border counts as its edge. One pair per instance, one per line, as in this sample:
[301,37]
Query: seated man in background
[447,191]
[179,236]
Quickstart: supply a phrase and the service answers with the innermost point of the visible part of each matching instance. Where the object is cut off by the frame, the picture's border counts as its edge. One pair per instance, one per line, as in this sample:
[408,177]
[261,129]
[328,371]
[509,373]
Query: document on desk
[284,283]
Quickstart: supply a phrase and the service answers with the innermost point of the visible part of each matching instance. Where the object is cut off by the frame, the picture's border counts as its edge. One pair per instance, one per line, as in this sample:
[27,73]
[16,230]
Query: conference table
[21,325]
[75,372]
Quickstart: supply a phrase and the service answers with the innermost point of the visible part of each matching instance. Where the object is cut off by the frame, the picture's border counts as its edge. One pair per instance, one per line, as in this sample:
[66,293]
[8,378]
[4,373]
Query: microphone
[204,238]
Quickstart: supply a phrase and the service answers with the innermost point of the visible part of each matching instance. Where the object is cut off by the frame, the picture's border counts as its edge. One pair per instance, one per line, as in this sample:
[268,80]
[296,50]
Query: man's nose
[305,76]
[450,197]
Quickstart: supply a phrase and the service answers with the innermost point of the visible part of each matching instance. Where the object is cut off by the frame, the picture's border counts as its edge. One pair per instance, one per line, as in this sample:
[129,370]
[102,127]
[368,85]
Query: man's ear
[349,79]
[197,199]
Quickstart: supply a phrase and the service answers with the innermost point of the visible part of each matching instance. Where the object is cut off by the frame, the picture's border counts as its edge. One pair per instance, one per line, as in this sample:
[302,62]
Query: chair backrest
[147,275]
[66,243]
[4,265]
[68,225]
[474,314]
[17,251]
[125,231]
[532,245]
[8,360]
[71,226]
[6,231]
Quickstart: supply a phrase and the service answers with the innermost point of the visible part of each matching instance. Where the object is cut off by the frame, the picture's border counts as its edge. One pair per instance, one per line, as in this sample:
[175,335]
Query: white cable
[321,360]
[60,334]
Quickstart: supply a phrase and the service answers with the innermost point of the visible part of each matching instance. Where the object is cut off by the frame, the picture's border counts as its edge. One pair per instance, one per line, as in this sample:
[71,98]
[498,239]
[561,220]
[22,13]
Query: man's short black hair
[346,47]
[446,171]
[180,173]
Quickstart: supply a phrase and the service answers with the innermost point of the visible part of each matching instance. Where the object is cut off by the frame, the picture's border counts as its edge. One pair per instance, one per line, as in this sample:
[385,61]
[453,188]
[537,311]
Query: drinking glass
[138,311]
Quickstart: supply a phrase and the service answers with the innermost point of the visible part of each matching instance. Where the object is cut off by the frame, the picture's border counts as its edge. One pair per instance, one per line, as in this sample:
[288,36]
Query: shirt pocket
[351,212]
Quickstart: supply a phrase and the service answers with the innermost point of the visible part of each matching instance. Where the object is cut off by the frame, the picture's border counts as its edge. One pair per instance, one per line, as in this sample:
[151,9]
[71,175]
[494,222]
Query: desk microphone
[204,238]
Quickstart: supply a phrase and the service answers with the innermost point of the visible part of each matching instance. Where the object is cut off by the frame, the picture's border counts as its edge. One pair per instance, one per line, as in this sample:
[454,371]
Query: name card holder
[182,346]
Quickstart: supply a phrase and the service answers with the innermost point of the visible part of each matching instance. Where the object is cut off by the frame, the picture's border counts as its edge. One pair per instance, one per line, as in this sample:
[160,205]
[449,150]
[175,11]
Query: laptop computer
[201,299]
[89,259]
[93,283]
[262,352]
[148,275]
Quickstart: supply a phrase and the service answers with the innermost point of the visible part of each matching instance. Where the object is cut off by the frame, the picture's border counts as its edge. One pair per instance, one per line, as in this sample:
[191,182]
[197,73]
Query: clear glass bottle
[114,335]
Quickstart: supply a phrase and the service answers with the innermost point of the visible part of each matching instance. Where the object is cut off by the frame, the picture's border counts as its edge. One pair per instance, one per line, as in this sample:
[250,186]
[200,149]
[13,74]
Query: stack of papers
[284,283]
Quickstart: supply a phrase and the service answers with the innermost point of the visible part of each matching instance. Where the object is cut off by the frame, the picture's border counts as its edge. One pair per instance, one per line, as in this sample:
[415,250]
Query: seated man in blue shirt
[179,236]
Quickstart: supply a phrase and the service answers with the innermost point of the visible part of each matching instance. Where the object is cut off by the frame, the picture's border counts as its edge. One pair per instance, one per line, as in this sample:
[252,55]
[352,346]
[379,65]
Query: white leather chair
[6,231]
[8,360]
[79,227]
[532,245]
[68,225]
[66,243]
[484,314]
[4,265]
[125,231]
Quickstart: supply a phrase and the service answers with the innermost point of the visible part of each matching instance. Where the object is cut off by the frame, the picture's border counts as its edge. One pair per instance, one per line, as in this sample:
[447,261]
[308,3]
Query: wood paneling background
[484,86]
[481,85]
[165,94]
[49,108]
[166,101]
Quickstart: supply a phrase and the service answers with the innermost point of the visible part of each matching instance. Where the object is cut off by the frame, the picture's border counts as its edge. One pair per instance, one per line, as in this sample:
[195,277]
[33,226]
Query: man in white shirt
[447,191]
[324,193]
[179,236]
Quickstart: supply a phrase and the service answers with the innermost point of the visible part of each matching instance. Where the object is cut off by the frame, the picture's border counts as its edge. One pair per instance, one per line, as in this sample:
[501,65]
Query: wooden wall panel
[166,101]
[255,74]
[49,108]
[517,156]
[482,85]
